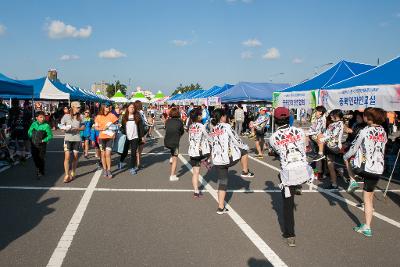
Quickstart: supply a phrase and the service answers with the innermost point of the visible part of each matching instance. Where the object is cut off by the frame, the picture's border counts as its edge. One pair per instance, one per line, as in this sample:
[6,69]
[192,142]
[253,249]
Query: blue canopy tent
[43,88]
[10,88]
[250,92]
[305,94]
[377,87]
[78,94]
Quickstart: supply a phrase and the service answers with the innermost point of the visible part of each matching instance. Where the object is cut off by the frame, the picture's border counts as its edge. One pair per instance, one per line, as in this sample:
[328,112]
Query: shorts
[84,138]
[370,180]
[174,151]
[105,144]
[71,146]
[332,150]
[195,161]
[260,135]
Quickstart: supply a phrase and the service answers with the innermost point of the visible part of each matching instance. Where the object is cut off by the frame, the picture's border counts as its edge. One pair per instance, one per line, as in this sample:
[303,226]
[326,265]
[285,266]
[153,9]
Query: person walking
[260,125]
[85,134]
[146,125]
[239,119]
[173,133]
[132,127]
[367,159]
[227,150]
[199,148]
[72,124]
[288,142]
[39,134]
[105,123]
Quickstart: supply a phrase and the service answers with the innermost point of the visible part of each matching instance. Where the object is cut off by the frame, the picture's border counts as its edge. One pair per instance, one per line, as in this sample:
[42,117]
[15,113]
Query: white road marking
[269,254]
[55,188]
[63,245]
[144,153]
[44,188]
[332,194]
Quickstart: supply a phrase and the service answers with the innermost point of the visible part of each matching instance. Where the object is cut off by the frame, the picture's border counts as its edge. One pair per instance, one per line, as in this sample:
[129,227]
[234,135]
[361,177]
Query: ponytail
[217,114]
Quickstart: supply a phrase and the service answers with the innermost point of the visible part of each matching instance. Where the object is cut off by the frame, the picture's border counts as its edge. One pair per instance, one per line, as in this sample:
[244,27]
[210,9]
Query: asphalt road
[146,220]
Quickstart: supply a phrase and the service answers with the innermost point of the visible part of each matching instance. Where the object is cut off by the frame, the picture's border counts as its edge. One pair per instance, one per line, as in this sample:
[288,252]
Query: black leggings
[133,144]
[222,174]
[38,154]
[288,212]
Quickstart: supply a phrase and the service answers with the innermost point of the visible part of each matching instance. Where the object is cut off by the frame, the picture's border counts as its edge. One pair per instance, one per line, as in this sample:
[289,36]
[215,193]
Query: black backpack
[38,136]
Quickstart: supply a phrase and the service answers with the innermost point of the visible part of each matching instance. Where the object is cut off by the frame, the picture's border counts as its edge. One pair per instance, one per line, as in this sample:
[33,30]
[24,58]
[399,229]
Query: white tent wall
[50,91]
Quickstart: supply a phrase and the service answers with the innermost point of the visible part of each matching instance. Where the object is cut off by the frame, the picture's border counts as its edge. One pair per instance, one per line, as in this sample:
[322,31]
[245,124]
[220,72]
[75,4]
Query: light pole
[115,85]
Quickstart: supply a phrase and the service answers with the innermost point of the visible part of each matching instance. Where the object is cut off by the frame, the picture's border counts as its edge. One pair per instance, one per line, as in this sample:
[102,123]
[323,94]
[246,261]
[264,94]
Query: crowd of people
[215,140]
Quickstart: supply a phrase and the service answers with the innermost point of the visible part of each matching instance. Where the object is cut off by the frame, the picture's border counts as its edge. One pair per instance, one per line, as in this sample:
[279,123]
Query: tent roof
[11,87]
[43,88]
[118,94]
[339,72]
[139,95]
[251,92]
[159,94]
[388,73]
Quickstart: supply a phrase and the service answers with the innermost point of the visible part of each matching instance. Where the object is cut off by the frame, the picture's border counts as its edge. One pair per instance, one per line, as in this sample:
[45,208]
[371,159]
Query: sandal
[67,179]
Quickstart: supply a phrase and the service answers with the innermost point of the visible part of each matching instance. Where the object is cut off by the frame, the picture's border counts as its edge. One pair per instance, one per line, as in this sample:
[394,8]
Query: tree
[186,88]
[112,88]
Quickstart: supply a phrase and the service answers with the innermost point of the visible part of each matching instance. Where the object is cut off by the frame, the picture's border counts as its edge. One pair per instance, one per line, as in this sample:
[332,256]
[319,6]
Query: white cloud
[69,57]
[272,53]
[2,29]
[246,55]
[180,42]
[252,43]
[111,53]
[297,60]
[58,30]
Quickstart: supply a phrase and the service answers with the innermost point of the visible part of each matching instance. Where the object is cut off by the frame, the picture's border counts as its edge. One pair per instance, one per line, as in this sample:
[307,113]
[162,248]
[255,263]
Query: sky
[159,44]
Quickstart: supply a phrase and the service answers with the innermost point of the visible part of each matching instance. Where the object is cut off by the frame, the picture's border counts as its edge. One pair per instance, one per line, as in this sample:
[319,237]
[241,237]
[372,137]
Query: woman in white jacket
[227,150]
[199,147]
[368,150]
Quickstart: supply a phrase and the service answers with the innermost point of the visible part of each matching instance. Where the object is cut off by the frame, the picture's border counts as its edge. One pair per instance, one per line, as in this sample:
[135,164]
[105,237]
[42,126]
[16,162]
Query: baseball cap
[281,113]
[262,109]
[75,104]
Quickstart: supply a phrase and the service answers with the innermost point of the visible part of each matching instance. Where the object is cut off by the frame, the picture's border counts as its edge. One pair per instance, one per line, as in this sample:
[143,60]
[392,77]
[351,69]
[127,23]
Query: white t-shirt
[131,128]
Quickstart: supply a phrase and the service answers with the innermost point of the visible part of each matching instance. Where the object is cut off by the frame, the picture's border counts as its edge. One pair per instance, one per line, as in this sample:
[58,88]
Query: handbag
[119,143]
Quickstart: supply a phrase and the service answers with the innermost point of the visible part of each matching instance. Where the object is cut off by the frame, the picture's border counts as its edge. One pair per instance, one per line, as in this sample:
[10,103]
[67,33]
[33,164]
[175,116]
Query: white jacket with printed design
[198,140]
[225,143]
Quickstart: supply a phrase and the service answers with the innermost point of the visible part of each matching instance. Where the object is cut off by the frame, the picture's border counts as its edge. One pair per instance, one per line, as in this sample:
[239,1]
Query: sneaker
[247,174]
[105,174]
[291,241]
[133,171]
[362,229]
[352,186]
[331,187]
[197,195]
[222,211]
[259,156]
[319,157]
[173,178]
[121,165]
[109,176]
[298,191]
